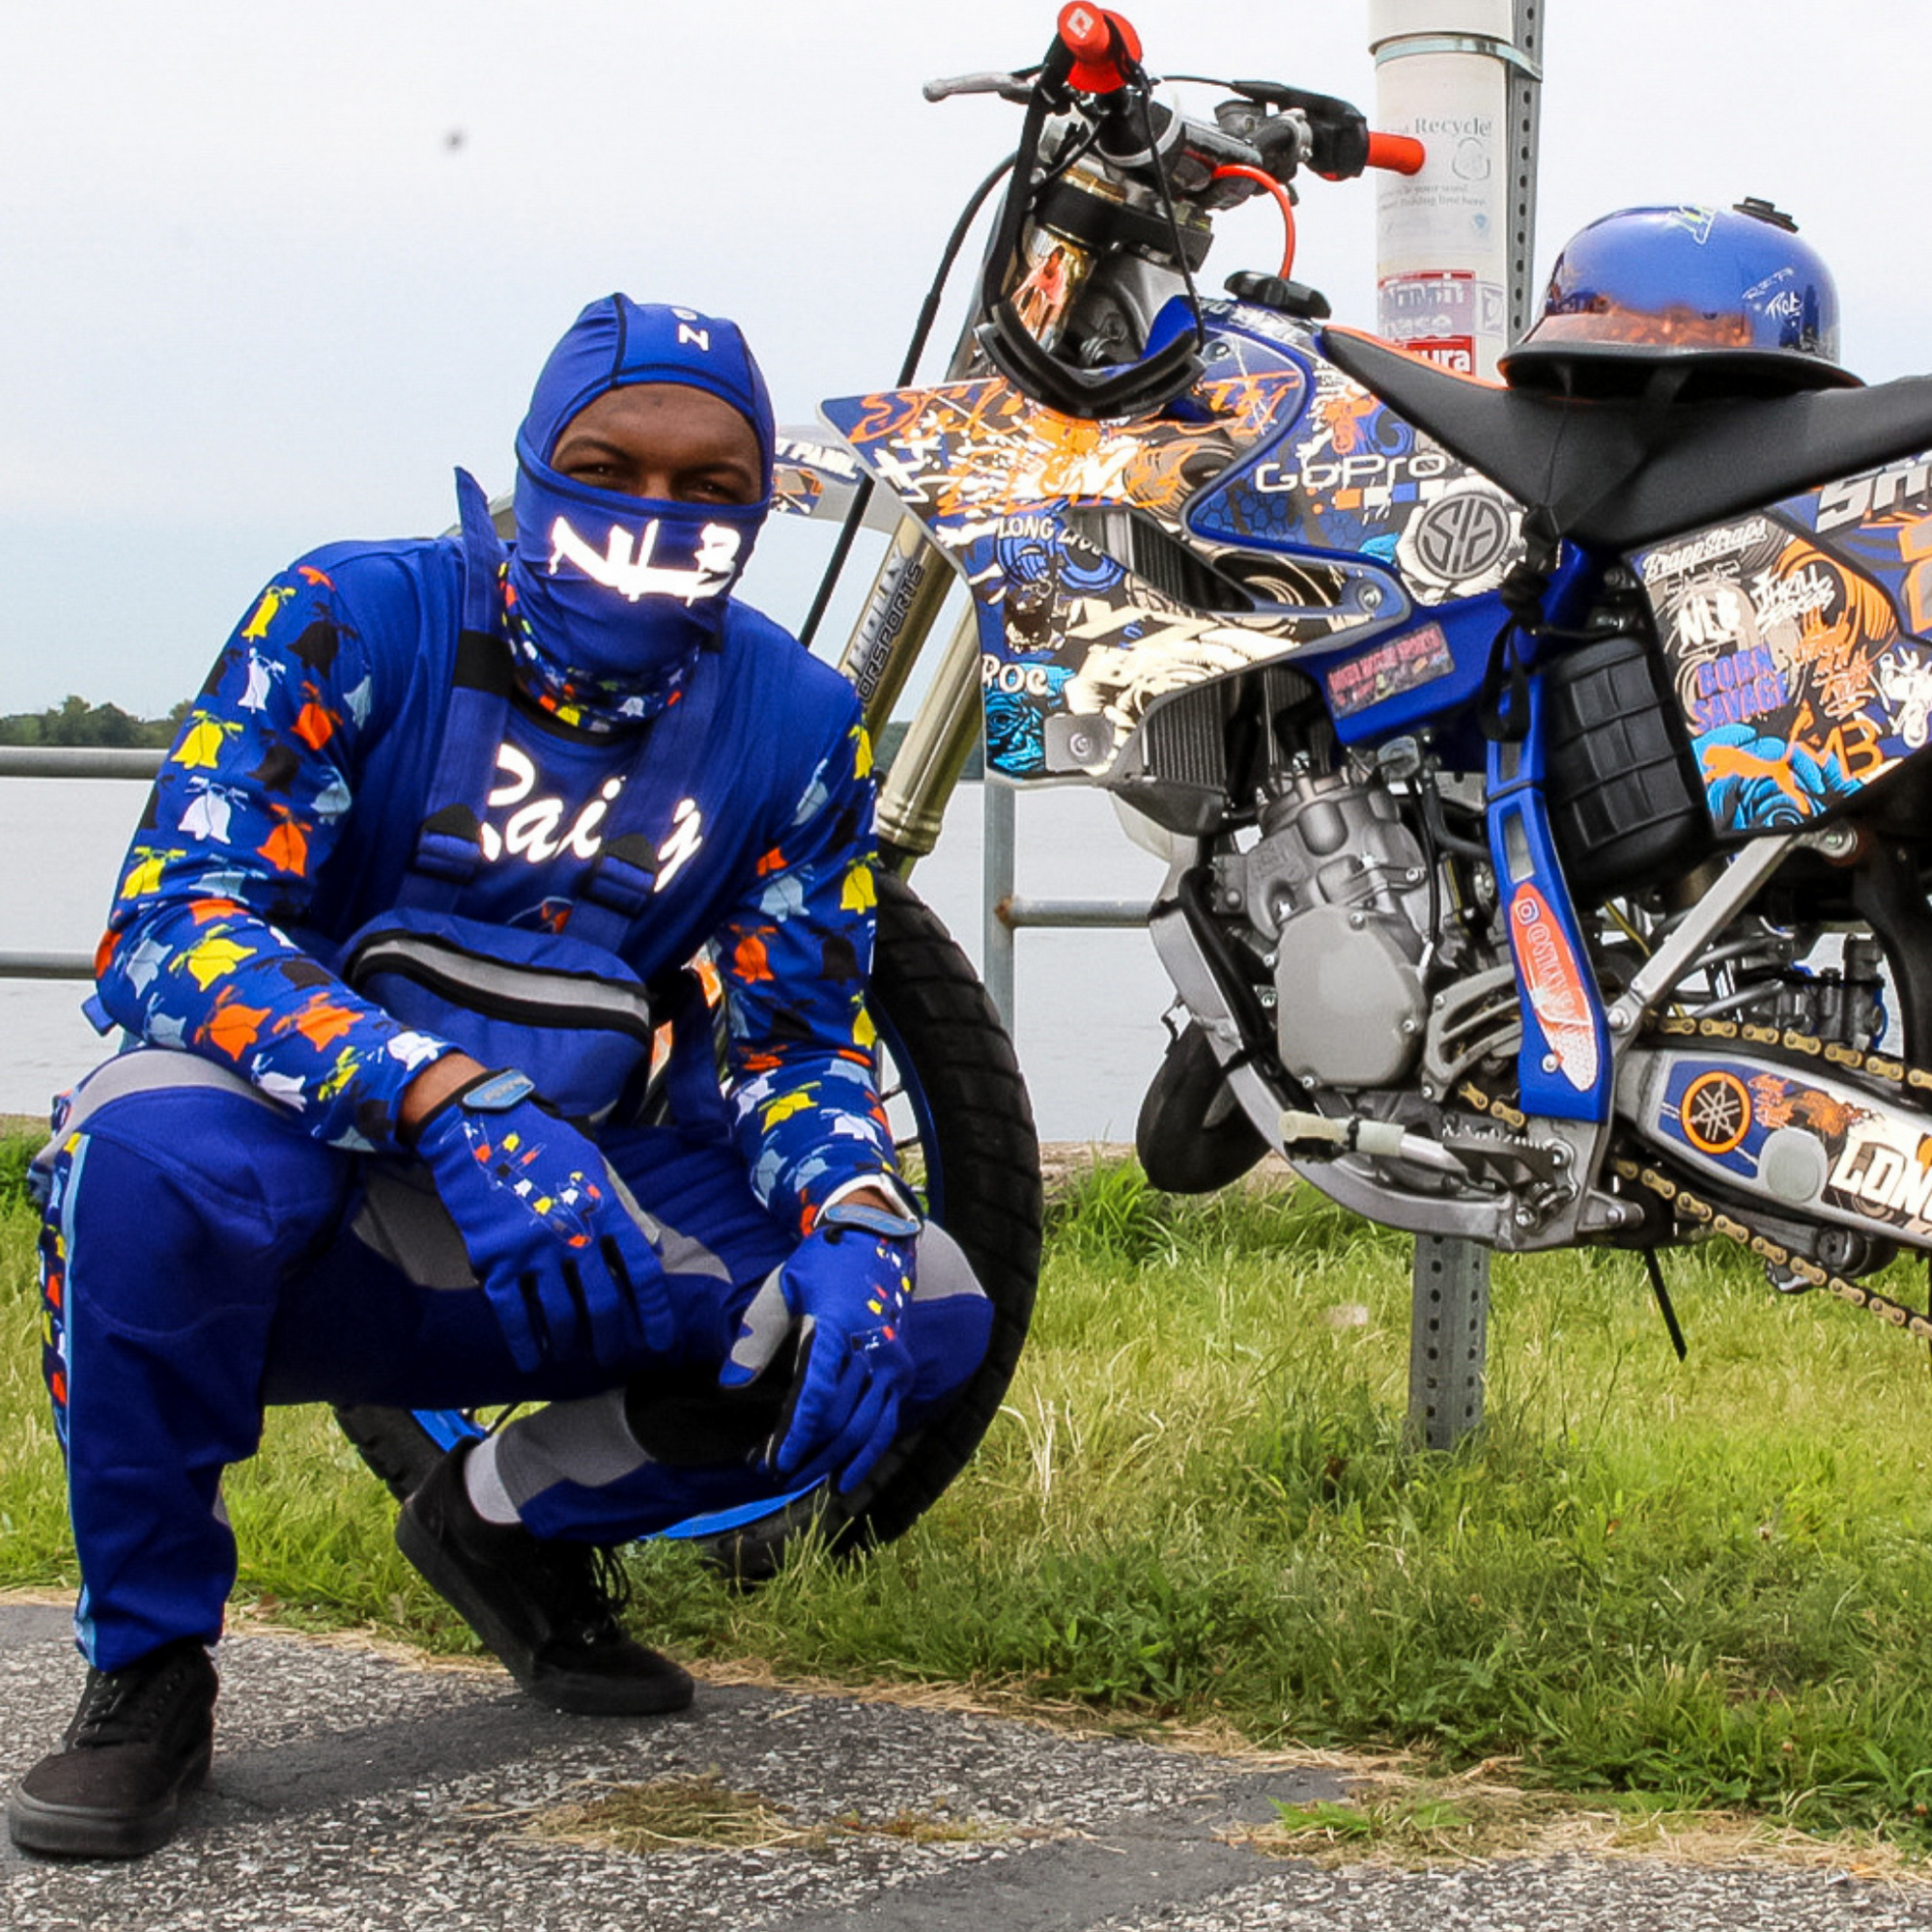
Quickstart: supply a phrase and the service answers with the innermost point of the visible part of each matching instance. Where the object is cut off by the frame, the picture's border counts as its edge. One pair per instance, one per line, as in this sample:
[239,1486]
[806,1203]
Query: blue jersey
[287,813]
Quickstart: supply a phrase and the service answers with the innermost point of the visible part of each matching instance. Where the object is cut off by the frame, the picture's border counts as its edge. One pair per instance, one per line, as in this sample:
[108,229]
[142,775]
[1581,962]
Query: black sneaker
[138,1744]
[549,1610]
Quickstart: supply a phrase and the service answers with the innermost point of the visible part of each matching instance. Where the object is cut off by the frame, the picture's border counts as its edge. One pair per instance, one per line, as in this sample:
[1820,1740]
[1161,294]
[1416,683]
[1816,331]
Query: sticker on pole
[1439,316]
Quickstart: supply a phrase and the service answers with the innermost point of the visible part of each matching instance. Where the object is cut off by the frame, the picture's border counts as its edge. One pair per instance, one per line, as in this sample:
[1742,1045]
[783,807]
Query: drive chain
[1683,1198]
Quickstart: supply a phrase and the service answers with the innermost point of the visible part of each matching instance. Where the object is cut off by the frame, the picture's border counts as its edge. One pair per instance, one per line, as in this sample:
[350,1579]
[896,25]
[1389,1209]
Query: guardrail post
[1448,1340]
[996,804]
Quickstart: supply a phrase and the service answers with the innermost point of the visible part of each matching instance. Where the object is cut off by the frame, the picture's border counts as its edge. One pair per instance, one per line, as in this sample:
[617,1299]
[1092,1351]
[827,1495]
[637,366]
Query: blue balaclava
[612,597]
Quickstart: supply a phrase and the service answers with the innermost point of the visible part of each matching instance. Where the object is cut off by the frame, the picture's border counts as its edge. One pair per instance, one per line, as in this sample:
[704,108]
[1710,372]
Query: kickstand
[1663,1293]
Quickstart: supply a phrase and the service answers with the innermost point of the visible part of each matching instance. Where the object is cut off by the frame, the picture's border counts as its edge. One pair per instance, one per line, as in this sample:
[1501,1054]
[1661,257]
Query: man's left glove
[843,1291]
[541,1220]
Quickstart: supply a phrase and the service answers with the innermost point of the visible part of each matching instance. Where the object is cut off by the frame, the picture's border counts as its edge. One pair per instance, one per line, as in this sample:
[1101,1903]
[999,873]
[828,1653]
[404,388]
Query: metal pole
[1451,241]
[996,801]
[1117,915]
[77,761]
[1525,94]
[1449,1339]
[47,966]
[1455,250]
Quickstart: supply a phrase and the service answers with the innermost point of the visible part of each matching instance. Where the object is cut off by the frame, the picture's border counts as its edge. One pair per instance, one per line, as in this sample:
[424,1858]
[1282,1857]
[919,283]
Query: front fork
[900,612]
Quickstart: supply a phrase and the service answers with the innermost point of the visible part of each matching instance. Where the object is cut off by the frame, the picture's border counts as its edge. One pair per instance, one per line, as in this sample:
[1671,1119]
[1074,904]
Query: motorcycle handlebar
[1334,140]
[1396,152]
[1098,37]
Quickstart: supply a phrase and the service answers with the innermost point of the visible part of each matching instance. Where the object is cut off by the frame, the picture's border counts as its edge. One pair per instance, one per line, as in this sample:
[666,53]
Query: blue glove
[541,1220]
[843,1291]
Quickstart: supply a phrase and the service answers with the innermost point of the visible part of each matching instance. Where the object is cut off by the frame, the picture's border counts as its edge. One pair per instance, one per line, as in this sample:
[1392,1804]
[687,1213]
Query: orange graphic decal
[748,960]
[286,847]
[1854,746]
[314,726]
[321,1021]
[1733,761]
[1554,984]
[1342,414]
[235,1028]
[982,449]
[1828,1116]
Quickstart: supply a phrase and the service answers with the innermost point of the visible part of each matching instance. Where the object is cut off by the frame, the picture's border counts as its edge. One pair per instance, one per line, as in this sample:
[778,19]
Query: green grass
[1709,1582]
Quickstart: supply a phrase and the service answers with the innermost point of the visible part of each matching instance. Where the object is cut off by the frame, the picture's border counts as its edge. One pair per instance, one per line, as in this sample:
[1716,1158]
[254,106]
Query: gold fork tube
[899,611]
[949,723]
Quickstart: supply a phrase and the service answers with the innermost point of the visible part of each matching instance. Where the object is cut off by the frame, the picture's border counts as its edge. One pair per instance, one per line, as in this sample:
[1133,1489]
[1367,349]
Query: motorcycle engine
[1338,886]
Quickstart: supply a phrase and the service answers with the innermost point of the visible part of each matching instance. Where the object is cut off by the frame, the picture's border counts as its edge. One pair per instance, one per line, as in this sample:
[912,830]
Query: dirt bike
[1510,751]
[1519,753]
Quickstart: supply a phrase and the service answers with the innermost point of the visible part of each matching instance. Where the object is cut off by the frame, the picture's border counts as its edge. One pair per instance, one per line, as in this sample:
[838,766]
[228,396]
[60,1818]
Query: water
[1089,1002]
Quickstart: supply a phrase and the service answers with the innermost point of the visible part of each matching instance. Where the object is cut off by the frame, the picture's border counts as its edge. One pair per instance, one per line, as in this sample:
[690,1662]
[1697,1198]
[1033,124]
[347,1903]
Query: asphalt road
[363,1791]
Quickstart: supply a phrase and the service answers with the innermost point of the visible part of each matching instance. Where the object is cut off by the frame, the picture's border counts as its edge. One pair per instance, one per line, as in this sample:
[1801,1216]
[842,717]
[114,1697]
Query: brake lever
[1013,87]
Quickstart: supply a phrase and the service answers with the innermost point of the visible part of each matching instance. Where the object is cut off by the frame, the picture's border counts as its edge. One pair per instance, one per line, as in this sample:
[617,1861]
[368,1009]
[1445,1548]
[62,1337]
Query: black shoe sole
[76,1832]
[581,1693]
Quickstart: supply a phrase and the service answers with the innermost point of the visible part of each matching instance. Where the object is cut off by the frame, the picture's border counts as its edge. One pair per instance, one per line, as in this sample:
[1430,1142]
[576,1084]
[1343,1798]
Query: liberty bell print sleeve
[243,816]
[794,961]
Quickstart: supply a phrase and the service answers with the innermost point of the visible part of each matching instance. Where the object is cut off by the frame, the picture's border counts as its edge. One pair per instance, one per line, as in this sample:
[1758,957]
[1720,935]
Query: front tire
[964,1128]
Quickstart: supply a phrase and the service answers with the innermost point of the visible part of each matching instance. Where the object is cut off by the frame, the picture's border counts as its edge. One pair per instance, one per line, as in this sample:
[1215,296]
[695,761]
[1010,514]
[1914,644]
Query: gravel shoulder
[358,1786]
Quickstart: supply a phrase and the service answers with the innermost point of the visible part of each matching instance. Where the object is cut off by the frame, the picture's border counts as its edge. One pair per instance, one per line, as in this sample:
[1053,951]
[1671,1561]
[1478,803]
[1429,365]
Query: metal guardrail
[1449,1319]
[1006,912]
[78,761]
[67,761]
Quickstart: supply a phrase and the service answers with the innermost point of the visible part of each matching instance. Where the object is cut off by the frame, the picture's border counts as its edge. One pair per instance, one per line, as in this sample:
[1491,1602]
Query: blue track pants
[202,1258]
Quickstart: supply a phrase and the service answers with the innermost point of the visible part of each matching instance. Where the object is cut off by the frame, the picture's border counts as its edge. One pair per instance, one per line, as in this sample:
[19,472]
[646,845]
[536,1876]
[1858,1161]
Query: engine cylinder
[1338,883]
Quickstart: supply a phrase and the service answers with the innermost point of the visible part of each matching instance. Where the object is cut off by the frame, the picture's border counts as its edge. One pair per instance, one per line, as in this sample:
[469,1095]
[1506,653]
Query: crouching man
[414,890]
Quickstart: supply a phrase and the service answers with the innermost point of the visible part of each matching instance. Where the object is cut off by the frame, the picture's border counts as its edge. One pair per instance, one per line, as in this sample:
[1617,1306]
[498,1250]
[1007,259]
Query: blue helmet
[1735,288]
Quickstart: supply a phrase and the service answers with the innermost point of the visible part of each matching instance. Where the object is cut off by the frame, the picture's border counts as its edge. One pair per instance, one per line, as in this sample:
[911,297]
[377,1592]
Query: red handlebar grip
[1396,152]
[1087,33]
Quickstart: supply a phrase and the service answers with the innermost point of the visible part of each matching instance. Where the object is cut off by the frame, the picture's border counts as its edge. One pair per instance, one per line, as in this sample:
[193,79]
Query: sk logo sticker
[629,570]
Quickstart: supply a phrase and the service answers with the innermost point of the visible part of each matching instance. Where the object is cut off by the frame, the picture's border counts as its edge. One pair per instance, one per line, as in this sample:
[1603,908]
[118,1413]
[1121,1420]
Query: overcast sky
[269,270]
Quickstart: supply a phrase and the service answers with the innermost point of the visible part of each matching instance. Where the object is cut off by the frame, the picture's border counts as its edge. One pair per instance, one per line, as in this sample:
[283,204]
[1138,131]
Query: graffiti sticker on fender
[1389,671]
[1554,984]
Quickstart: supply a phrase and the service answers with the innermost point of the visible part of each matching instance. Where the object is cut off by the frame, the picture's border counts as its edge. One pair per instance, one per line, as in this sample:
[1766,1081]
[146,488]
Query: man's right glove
[843,1294]
[541,1220]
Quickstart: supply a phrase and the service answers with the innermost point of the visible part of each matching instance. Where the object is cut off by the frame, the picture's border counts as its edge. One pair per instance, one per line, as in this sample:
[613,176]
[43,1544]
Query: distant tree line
[75,721]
